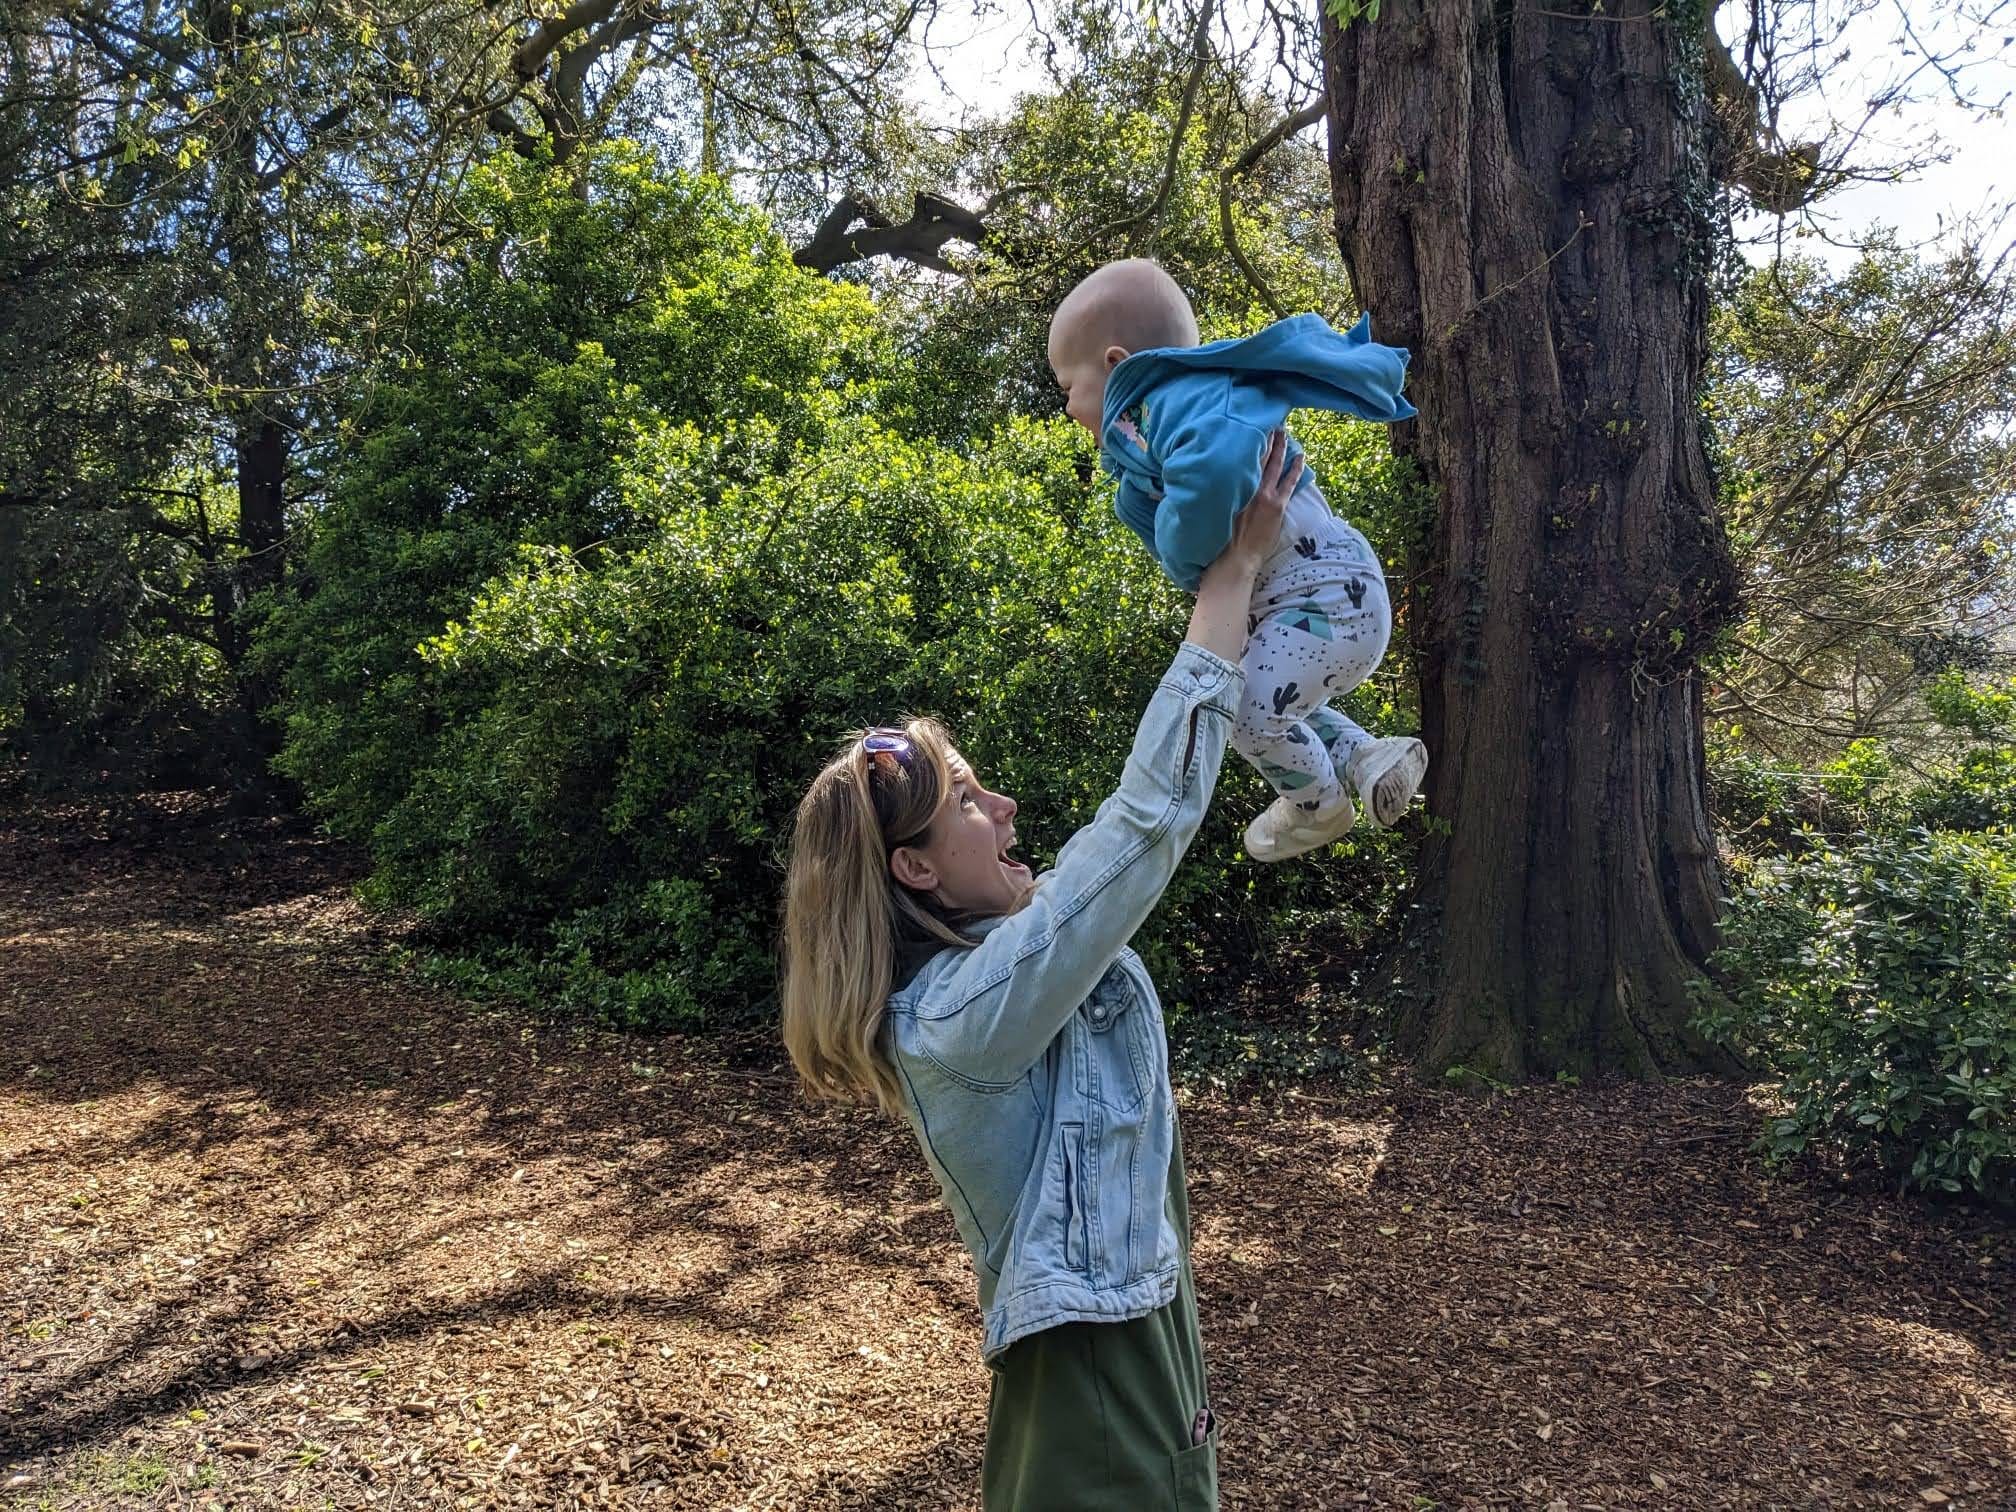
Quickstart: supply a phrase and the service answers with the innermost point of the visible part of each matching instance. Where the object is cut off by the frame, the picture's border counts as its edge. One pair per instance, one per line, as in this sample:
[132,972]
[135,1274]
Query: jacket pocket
[1121,1049]
[1072,1143]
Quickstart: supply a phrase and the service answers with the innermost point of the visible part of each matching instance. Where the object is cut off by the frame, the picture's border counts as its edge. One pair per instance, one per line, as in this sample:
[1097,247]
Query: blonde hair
[847,921]
[1133,303]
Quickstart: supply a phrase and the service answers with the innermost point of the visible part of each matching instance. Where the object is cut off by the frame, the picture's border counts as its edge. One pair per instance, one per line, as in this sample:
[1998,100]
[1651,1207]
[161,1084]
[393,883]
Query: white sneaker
[1387,774]
[1284,828]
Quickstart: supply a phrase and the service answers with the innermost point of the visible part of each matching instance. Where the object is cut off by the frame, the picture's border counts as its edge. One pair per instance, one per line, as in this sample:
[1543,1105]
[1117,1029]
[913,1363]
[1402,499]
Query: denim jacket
[1034,1066]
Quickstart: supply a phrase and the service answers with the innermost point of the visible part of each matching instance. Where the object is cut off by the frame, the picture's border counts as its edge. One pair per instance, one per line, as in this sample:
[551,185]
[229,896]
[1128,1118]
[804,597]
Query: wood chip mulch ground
[280,1227]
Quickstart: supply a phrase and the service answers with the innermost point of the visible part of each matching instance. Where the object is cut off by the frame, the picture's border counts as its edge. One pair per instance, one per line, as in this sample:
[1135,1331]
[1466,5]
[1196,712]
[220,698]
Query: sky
[986,60]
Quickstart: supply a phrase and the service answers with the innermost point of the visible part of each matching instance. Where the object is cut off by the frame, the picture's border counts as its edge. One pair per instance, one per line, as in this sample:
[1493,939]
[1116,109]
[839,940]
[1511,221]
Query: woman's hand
[1218,623]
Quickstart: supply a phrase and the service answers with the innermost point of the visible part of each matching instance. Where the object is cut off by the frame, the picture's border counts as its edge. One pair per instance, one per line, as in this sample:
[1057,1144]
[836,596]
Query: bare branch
[1200,59]
[933,222]
[1288,126]
[537,48]
[1778,177]
[523,142]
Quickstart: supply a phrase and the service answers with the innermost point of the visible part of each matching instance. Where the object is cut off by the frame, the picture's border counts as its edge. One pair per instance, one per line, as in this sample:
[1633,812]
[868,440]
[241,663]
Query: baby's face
[1081,365]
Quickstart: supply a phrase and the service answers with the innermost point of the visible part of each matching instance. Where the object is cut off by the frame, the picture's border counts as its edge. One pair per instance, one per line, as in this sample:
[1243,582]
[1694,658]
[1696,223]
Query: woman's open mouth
[1008,861]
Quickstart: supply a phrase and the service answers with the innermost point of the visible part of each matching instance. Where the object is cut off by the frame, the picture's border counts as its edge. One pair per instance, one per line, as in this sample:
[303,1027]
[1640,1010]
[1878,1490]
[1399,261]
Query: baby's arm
[1211,461]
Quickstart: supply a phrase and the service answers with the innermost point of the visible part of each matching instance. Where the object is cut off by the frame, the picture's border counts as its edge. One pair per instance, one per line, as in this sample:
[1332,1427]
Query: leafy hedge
[95,690]
[1870,944]
[1878,979]
[1961,776]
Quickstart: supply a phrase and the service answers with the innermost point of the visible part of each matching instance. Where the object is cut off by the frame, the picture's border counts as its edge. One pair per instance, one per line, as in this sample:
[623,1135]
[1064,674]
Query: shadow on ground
[290,1227]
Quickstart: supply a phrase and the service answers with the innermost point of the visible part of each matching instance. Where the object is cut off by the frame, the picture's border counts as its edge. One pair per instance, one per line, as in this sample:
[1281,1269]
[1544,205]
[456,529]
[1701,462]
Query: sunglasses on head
[889,750]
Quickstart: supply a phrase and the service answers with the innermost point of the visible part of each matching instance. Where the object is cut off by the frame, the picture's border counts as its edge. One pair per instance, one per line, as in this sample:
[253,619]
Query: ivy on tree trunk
[1524,199]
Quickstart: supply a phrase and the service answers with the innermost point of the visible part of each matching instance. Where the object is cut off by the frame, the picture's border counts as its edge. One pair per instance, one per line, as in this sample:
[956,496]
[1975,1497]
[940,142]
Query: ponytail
[847,921]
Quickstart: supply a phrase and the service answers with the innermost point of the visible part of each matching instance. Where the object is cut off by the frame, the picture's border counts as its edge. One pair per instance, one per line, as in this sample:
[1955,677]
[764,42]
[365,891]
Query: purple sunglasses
[886,748]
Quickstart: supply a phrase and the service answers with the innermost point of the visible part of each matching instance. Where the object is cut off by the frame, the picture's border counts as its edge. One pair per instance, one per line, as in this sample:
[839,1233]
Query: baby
[1184,428]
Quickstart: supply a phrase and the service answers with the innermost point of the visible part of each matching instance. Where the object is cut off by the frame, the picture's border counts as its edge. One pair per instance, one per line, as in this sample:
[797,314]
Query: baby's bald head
[1122,308]
[1132,304]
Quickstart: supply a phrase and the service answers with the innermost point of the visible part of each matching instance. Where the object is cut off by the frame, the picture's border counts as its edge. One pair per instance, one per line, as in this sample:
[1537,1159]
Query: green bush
[99,685]
[646,719]
[1961,777]
[1762,806]
[1878,979]
[631,538]
[1980,793]
[572,325]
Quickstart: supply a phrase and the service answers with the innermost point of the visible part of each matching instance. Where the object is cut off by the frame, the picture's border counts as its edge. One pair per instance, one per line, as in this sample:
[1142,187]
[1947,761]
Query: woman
[1009,1023]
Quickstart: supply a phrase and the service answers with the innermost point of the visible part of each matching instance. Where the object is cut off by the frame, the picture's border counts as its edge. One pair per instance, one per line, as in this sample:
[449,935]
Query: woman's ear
[910,868]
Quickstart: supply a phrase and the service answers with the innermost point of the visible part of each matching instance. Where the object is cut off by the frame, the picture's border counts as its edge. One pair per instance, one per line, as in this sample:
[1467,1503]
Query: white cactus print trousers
[1319,623]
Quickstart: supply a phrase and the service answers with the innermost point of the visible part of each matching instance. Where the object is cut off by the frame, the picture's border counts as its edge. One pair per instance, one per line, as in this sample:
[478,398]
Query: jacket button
[1099,1013]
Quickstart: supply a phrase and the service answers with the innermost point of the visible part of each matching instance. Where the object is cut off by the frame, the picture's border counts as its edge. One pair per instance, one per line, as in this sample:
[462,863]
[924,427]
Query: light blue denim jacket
[1034,1066]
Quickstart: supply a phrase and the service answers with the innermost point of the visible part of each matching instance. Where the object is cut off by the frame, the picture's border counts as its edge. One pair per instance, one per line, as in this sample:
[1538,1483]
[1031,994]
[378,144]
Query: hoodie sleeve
[1136,507]
[1211,456]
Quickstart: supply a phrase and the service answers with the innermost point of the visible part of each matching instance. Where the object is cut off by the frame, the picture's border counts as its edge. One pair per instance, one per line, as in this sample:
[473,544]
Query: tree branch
[1778,177]
[523,142]
[1287,127]
[933,222]
[537,48]
[572,72]
[1200,58]
[318,131]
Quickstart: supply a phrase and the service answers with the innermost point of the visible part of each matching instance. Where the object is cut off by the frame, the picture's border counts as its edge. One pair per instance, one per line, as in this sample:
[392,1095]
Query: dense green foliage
[628,538]
[92,682]
[1862,772]
[1870,947]
[107,660]
[186,195]
[1958,774]
[1877,978]
[568,328]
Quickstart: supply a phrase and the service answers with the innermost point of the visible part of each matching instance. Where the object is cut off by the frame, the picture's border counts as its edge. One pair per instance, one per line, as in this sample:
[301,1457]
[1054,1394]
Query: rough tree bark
[1524,199]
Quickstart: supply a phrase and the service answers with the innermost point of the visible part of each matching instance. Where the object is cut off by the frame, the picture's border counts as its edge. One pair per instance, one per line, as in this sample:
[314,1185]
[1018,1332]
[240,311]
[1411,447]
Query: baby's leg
[1287,655]
[1309,646]
[1288,754]
[1383,775]
[1359,617]
[1340,736]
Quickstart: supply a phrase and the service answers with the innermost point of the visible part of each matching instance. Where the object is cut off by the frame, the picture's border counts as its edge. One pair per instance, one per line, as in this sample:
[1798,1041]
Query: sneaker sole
[1395,787]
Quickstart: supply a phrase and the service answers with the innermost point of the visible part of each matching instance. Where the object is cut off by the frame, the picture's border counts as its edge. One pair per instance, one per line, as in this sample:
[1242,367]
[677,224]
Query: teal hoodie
[1185,429]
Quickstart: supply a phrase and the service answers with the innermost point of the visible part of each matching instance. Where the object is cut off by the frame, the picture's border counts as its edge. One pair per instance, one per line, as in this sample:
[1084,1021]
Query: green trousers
[1105,1417]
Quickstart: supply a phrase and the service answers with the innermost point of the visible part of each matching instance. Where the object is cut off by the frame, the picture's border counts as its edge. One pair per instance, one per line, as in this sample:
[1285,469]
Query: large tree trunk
[253,299]
[262,517]
[262,452]
[1523,199]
